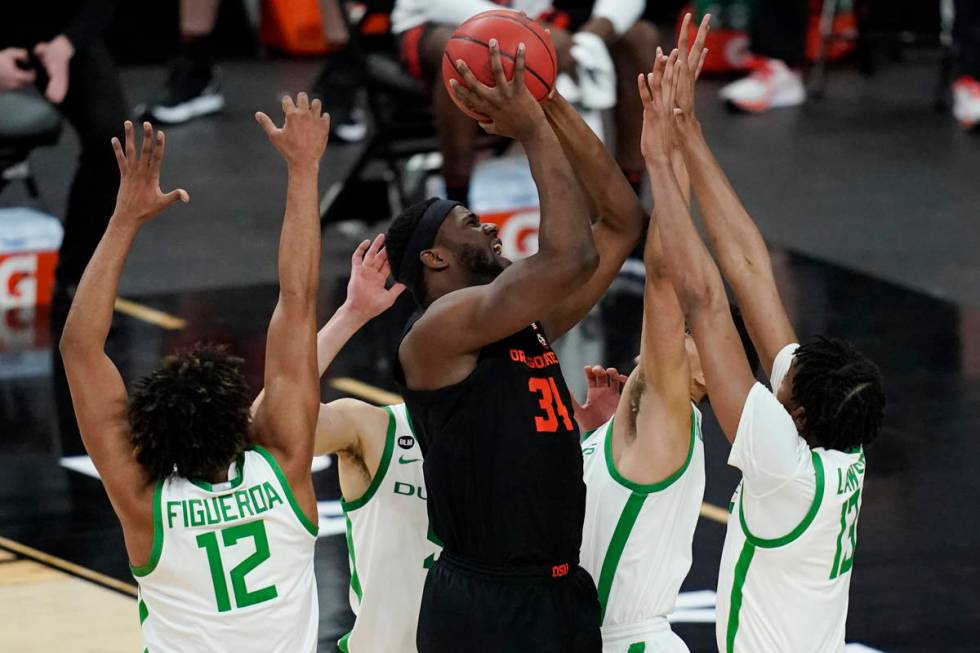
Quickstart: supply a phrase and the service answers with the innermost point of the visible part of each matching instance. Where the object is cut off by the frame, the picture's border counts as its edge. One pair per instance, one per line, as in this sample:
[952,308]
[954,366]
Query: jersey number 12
[230,537]
[550,401]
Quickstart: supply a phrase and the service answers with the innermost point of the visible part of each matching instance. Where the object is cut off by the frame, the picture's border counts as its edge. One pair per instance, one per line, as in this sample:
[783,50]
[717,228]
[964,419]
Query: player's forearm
[733,234]
[565,231]
[338,330]
[599,174]
[685,257]
[90,317]
[299,242]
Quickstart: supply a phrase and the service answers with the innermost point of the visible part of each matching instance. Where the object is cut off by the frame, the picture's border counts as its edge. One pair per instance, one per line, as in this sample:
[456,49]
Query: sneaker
[349,125]
[192,91]
[966,101]
[770,85]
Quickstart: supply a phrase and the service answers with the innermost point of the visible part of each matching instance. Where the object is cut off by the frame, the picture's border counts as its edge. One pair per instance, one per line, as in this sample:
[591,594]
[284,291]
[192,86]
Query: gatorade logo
[18,283]
[406,442]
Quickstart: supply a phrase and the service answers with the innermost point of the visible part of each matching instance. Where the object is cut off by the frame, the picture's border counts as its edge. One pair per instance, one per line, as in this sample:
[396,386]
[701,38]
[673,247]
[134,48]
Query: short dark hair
[841,391]
[743,333]
[398,236]
[190,416]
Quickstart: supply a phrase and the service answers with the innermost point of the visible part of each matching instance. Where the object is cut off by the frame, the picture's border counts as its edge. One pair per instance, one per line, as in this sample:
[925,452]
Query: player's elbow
[698,293]
[585,262]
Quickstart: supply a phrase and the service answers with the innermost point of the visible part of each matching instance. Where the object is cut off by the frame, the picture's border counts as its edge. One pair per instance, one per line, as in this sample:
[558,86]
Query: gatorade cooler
[502,191]
[29,242]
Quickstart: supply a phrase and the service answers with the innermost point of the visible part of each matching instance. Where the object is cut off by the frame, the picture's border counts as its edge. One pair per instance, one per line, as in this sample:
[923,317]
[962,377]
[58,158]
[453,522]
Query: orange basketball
[471,43]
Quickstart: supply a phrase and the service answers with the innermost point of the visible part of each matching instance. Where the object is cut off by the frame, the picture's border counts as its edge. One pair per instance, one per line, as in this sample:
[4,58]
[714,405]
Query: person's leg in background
[422,51]
[340,78]
[632,54]
[193,87]
[778,43]
[966,90]
[96,108]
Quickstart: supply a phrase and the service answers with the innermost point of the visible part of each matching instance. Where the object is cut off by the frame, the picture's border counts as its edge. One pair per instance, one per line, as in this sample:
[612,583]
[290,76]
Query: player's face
[475,245]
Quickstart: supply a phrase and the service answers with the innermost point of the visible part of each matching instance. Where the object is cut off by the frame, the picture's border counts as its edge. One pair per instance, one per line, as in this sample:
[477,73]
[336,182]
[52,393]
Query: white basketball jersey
[390,546]
[636,542]
[231,567]
[791,593]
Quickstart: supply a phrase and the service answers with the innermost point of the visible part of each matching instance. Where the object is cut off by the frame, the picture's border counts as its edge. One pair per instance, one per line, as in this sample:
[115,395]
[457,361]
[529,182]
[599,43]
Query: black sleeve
[91,19]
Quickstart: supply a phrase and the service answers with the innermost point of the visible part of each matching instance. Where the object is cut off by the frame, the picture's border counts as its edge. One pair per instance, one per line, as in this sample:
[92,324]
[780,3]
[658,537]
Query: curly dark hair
[396,241]
[841,391]
[190,416]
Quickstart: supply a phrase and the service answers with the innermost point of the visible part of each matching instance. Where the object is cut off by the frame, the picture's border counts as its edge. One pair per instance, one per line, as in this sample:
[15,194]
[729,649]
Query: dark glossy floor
[875,181]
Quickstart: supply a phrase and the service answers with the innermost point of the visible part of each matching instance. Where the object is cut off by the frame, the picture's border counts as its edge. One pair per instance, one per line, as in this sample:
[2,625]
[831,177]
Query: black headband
[422,239]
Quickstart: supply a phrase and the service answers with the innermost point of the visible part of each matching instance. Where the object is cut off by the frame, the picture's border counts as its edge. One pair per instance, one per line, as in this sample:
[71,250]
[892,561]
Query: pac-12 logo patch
[406,441]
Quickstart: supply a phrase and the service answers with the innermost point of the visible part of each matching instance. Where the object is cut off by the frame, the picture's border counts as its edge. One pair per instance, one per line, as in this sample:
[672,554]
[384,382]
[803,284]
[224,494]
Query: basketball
[471,43]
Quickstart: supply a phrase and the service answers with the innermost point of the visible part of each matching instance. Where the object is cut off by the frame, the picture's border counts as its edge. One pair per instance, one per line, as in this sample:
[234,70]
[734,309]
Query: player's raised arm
[617,215]
[463,321]
[286,420]
[737,244]
[367,298]
[693,273]
[97,390]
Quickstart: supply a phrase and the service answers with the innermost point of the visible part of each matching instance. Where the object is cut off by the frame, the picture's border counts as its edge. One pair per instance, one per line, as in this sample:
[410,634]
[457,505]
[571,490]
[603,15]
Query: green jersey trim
[638,647]
[342,645]
[621,534]
[379,475]
[802,526]
[235,482]
[355,580]
[312,528]
[735,607]
[650,487]
[157,548]
[144,611]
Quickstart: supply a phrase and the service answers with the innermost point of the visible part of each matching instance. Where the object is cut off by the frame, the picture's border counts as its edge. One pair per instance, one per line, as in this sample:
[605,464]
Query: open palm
[366,292]
[139,197]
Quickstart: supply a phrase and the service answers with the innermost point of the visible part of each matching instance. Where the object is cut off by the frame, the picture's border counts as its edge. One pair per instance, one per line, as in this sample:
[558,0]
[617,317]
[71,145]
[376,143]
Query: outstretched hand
[690,62]
[658,91]
[139,197]
[302,139]
[367,296]
[510,108]
[604,389]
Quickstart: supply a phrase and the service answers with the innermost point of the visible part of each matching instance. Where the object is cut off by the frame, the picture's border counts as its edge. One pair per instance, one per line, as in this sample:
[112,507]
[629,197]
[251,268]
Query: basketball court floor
[869,197]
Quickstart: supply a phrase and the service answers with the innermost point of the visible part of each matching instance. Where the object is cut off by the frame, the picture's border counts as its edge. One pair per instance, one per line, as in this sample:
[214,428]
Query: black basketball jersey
[503,463]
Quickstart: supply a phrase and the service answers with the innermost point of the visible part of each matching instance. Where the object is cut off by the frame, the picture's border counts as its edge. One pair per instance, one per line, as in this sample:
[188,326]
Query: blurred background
[848,127]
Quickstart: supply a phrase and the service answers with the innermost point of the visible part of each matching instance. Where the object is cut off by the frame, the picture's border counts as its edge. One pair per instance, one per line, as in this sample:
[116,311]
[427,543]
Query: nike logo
[404,461]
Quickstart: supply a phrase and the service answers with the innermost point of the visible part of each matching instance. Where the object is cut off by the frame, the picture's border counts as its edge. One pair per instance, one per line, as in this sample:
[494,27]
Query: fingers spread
[158,150]
[176,195]
[130,140]
[147,147]
[496,65]
[469,99]
[266,122]
[303,101]
[357,258]
[519,66]
[287,104]
[683,38]
[469,79]
[118,151]
[376,246]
